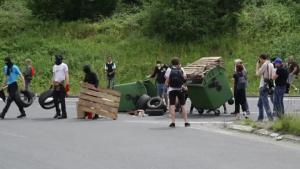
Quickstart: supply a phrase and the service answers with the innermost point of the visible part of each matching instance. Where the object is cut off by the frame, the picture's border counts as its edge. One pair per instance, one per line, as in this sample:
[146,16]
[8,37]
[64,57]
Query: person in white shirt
[61,86]
[264,69]
[175,79]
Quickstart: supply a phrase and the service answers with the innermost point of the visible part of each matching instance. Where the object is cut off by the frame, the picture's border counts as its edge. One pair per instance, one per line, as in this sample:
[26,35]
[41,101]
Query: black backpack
[242,80]
[176,78]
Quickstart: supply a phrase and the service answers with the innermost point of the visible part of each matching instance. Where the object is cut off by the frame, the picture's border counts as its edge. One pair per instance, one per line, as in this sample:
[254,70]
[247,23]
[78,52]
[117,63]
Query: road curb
[264,132]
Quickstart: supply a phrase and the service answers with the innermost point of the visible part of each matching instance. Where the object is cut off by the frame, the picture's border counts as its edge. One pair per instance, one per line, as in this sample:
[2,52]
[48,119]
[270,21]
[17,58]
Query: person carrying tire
[175,79]
[61,86]
[159,72]
[91,78]
[12,73]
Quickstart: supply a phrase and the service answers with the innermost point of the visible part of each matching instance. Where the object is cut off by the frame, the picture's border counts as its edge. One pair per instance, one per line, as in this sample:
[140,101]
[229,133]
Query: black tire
[46,99]
[200,110]
[155,112]
[155,103]
[27,98]
[231,101]
[217,112]
[142,101]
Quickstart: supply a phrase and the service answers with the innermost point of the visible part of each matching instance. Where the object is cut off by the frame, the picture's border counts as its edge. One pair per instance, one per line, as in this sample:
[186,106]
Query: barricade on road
[104,102]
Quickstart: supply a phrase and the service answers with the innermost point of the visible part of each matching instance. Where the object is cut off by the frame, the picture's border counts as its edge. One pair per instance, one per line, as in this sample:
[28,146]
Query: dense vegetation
[138,32]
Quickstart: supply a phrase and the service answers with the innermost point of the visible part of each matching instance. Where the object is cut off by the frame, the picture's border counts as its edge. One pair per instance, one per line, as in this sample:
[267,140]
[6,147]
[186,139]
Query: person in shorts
[175,79]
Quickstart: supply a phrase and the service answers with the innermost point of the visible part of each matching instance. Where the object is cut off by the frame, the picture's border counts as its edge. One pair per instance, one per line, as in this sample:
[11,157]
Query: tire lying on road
[27,98]
[155,103]
[46,99]
[142,101]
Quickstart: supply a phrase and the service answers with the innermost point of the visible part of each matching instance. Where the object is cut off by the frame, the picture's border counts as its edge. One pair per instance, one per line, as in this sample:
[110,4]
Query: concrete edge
[264,132]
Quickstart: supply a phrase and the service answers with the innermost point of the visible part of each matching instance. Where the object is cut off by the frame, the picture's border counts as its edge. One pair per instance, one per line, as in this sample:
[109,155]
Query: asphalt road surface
[40,142]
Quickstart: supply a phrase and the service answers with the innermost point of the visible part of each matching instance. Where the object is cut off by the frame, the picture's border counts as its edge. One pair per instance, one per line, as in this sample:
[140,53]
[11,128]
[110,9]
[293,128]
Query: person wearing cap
[280,76]
[12,73]
[61,86]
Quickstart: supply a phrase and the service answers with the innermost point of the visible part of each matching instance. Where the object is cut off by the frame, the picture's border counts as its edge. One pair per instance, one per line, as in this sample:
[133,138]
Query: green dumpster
[212,91]
[151,88]
[130,93]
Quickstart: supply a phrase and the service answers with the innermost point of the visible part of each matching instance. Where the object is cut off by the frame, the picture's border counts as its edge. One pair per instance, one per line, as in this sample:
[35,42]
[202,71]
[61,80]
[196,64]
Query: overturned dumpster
[208,87]
[131,93]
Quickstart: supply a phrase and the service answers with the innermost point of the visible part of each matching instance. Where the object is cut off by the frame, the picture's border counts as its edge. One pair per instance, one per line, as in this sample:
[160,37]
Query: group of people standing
[276,77]
[60,83]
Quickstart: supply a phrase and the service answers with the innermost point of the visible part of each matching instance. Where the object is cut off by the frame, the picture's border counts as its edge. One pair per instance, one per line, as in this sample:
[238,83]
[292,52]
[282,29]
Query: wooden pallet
[104,102]
[199,67]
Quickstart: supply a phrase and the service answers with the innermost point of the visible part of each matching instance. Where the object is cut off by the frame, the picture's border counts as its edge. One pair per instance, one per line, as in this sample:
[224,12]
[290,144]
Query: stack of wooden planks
[104,102]
[199,67]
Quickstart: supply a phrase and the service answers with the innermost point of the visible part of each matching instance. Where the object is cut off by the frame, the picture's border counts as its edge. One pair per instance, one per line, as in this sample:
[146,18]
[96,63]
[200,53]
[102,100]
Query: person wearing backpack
[280,77]
[264,69]
[12,73]
[240,86]
[175,79]
[29,73]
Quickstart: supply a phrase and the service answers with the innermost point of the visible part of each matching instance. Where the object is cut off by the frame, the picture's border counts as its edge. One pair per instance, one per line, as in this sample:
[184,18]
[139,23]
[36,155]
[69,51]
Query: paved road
[39,142]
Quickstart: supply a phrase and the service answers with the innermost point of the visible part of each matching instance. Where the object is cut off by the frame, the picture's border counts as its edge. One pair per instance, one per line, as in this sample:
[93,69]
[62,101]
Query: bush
[72,9]
[288,124]
[13,17]
[267,19]
[178,20]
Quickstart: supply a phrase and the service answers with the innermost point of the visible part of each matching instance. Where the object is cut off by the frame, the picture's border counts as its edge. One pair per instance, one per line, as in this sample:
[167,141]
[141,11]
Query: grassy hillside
[121,36]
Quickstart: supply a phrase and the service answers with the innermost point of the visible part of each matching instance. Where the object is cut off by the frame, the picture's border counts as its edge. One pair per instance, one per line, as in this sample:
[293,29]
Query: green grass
[121,37]
[289,124]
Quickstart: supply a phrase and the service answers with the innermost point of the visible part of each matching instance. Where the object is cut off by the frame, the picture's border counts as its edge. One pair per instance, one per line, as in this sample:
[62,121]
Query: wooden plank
[106,91]
[97,106]
[80,113]
[104,113]
[101,95]
[99,100]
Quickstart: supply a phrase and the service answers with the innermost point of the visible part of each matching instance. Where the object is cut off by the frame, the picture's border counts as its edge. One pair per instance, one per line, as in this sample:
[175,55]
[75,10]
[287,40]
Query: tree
[71,9]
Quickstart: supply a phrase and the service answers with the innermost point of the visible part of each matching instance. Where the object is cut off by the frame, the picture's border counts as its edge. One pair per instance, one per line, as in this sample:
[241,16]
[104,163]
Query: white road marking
[11,134]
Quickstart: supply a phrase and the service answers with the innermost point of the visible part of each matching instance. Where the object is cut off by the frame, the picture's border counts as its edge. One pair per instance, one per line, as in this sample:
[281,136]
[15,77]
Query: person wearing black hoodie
[91,78]
[12,73]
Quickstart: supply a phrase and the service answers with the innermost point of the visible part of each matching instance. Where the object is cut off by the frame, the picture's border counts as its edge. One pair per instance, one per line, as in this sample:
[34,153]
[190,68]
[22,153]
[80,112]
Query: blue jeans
[278,100]
[263,103]
[160,89]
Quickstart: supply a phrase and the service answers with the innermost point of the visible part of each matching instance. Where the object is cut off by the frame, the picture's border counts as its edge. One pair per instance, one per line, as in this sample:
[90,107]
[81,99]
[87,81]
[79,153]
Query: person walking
[61,86]
[240,86]
[12,73]
[293,69]
[280,77]
[175,79]
[91,78]
[264,69]
[110,69]
[159,72]
[28,73]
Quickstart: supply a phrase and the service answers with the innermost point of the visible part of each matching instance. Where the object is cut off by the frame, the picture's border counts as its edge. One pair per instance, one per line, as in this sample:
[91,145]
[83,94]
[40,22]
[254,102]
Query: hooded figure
[9,65]
[90,77]
[58,59]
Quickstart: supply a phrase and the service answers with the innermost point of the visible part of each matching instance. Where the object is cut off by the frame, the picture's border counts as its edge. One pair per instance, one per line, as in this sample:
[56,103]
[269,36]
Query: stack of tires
[153,106]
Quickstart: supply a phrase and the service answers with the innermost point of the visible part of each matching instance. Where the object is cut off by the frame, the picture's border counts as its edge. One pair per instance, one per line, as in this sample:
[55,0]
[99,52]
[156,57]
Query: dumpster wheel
[217,112]
[200,110]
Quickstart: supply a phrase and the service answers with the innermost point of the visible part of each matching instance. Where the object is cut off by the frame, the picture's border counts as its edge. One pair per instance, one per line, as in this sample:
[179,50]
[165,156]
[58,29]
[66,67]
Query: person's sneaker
[172,125]
[187,124]
[21,116]
[234,113]
[62,117]
[1,116]
[56,116]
